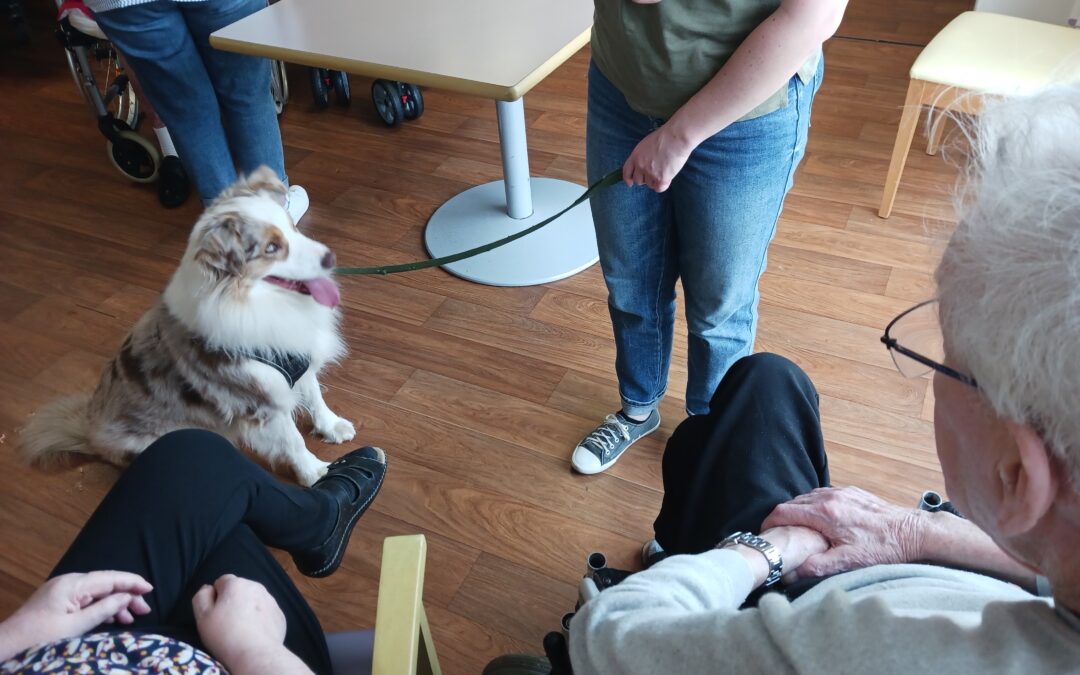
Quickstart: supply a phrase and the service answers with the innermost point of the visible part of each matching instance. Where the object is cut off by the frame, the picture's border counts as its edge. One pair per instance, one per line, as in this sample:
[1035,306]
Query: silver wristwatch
[776,563]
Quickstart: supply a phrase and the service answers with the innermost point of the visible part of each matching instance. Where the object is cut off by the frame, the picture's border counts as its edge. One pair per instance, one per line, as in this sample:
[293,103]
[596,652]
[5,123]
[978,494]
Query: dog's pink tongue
[324,291]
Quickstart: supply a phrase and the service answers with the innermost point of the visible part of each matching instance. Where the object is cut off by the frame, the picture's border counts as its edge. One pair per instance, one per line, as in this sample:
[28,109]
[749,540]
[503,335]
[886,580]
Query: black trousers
[760,445]
[191,508]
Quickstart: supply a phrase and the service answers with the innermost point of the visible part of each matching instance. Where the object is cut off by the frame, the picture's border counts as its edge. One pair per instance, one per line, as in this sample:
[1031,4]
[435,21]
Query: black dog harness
[291,366]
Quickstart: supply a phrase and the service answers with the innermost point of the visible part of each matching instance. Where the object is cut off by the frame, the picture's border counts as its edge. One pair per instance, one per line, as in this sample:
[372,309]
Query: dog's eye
[272,248]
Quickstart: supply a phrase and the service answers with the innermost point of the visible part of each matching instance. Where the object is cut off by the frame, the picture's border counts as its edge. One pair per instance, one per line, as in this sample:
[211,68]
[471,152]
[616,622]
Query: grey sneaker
[607,442]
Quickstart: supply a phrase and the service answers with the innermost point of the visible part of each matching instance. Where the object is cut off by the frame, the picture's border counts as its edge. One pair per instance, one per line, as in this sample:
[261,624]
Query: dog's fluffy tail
[56,432]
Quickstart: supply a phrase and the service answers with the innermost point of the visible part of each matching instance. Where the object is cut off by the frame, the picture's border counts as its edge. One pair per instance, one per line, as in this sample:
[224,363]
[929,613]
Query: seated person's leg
[242,554]
[178,501]
[760,445]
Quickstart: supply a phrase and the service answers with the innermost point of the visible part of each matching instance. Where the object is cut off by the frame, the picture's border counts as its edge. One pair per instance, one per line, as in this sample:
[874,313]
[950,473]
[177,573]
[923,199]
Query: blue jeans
[711,228]
[217,105]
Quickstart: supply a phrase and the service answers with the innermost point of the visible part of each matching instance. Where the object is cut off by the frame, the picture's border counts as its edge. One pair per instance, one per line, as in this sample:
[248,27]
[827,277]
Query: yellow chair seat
[978,54]
[1000,55]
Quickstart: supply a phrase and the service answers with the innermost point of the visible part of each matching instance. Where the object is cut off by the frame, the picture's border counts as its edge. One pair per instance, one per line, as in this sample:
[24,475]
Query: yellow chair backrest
[403,644]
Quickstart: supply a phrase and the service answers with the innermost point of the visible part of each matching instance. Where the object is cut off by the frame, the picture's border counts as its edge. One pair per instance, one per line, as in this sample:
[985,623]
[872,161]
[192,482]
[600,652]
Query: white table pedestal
[498,209]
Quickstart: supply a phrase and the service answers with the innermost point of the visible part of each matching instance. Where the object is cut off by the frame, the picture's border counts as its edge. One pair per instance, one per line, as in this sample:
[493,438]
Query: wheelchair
[100,78]
[598,577]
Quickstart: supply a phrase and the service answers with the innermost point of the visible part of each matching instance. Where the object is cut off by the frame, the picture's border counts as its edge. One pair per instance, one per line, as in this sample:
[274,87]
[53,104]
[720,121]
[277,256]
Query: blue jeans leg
[638,250]
[727,200]
[161,45]
[242,85]
[711,228]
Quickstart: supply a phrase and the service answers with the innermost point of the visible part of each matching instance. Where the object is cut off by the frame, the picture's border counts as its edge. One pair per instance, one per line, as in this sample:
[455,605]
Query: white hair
[1009,280]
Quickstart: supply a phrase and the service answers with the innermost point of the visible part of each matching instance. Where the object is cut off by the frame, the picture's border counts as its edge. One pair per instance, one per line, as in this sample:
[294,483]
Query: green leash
[605,182]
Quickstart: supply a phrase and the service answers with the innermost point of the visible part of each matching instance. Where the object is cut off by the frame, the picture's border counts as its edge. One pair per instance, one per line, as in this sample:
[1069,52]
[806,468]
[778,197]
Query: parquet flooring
[477,393]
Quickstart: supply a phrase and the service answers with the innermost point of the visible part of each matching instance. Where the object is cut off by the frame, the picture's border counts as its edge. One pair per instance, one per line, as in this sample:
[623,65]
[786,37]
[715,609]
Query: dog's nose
[329,261]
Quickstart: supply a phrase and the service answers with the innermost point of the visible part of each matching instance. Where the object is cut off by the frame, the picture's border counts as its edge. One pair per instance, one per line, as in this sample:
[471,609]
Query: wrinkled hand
[861,528]
[795,545]
[656,160]
[237,618]
[72,604]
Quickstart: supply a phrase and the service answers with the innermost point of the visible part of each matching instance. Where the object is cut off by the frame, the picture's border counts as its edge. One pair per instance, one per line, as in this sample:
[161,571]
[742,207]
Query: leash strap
[605,182]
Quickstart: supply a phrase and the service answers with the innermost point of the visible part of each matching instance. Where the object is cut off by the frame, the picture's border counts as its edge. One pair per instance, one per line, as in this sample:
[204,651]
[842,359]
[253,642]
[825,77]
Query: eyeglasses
[915,343]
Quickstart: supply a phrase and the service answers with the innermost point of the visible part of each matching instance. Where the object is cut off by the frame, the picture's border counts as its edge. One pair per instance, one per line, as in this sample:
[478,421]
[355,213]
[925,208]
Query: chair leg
[908,120]
[938,120]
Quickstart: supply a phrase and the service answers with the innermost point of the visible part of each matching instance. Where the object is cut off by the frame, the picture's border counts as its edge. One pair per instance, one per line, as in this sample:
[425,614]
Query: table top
[496,49]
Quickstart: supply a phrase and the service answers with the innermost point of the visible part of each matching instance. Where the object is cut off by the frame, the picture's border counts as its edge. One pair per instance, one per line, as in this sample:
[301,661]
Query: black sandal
[352,481]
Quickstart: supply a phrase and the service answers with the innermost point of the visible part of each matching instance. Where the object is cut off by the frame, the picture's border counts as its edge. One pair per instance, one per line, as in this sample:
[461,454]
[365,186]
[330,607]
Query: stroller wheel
[414,101]
[387,99]
[320,87]
[340,82]
[134,156]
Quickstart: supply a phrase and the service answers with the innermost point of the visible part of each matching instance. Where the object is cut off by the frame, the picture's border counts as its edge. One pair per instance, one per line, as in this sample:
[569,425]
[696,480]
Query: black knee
[765,373]
[184,448]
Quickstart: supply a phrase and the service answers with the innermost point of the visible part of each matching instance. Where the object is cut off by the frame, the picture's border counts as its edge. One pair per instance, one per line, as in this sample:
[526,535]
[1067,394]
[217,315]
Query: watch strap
[772,555]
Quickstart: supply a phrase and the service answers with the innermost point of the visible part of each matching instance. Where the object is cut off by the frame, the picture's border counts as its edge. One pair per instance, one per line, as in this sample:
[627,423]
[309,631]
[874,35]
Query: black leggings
[191,508]
[760,445]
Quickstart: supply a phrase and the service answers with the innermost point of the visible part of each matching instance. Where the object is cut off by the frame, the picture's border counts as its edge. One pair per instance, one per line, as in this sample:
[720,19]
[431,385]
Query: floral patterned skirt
[120,653]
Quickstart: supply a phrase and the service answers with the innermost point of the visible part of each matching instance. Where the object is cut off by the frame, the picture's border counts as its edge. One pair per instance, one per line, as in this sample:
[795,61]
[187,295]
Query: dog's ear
[263,180]
[220,248]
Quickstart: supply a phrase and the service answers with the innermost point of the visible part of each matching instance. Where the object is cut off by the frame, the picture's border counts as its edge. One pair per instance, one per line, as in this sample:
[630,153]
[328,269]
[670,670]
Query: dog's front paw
[312,471]
[339,431]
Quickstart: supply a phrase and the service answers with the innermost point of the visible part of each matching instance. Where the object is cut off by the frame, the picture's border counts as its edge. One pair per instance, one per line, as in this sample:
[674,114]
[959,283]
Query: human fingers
[105,582]
[203,600]
[139,606]
[833,561]
[101,611]
[791,514]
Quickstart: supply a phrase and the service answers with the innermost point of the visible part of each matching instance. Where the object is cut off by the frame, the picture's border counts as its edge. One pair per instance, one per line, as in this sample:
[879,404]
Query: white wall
[1053,11]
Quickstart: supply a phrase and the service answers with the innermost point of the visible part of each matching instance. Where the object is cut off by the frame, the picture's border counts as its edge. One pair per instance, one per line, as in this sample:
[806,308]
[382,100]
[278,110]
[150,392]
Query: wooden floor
[477,393]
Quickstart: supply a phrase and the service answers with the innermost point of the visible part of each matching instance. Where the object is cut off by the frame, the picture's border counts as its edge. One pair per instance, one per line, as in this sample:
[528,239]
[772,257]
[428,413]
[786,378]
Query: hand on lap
[861,529]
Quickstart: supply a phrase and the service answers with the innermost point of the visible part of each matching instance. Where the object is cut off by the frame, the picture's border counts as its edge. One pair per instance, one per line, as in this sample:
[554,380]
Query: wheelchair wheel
[340,82]
[134,156]
[279,85]
[518,664]
[320,86]
[104,70]
[387,99]
[413,101]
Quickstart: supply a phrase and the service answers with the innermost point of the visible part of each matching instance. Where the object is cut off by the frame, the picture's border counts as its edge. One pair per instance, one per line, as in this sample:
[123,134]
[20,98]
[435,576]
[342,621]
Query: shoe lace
[606,436]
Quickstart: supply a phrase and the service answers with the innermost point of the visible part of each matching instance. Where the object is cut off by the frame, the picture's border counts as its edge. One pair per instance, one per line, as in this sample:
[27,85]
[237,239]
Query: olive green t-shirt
[659,55]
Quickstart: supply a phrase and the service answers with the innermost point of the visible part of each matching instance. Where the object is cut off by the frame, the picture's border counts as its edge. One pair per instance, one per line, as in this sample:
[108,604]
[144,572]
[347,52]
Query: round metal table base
[478,216]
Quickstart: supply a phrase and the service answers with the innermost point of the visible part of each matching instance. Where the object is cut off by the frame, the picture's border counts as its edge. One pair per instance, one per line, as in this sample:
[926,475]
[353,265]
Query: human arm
[242,626]
[864,530]
[72,604]
[761,65]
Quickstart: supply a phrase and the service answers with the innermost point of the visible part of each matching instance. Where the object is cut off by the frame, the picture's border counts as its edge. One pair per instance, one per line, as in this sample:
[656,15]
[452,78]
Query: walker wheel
[386,96]
[413,101]
[134,156]
[340,82]
[320,85]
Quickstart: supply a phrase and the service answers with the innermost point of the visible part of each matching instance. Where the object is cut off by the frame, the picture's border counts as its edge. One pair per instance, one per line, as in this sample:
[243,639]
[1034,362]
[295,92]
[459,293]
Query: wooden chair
[401,642]
[979,54]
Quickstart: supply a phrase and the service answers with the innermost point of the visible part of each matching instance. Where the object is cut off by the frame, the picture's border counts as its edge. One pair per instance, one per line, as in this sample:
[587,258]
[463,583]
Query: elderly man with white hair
[878,588]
